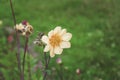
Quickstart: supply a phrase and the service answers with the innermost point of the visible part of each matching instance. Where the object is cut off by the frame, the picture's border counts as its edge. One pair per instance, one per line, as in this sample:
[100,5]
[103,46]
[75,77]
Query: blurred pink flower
[24,22]
[59,61]
[10,38]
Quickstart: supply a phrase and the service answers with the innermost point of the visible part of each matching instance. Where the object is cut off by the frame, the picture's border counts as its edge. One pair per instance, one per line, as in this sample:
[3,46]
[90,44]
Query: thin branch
[18,44]
[29,68]
[48,60]
[46,65]
[25,50]
[45,73]
[13,14]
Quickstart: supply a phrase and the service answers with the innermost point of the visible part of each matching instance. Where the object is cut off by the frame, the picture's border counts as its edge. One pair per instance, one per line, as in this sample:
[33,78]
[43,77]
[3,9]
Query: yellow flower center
[55,40]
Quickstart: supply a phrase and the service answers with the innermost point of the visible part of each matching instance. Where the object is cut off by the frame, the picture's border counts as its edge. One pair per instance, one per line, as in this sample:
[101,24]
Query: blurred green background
[95,25]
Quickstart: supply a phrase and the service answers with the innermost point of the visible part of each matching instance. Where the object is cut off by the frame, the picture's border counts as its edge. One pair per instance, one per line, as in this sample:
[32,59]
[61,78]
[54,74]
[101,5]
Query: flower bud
[78,71]
[59,61]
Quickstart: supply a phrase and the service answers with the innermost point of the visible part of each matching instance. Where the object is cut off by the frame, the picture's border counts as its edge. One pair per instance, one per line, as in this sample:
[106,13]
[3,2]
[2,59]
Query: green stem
[59,71]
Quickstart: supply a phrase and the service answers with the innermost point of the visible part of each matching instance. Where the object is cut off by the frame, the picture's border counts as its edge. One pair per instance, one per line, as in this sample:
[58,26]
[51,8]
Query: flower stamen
[55,40]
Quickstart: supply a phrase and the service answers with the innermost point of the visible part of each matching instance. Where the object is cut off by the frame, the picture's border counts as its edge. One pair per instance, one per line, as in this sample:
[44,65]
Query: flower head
[38,40]
[59,61]
[78,71]
[24,28]
[56,41]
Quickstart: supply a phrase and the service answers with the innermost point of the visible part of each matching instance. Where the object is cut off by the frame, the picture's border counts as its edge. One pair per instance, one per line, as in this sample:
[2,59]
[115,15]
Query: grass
[90,21]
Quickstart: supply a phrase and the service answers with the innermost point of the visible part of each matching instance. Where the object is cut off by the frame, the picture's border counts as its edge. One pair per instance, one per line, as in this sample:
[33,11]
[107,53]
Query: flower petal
[65,44]
[19,27]
[47,48]
[58,50]
[52,54]
[67,37]
[45,39]
[50,33]
[63,32]
[57,29]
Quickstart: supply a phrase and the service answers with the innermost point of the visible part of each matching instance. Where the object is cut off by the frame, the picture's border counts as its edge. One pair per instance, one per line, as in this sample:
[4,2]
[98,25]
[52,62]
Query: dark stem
[13,14]
[18,44]
[48,60]
[45,72]
[29,68]
[46,65]
[25,50]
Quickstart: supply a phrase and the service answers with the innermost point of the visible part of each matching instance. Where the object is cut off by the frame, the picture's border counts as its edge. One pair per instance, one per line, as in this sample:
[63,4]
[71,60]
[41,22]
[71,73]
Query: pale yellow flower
[25,30]
[56,41]
[19,27]
[28,30]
